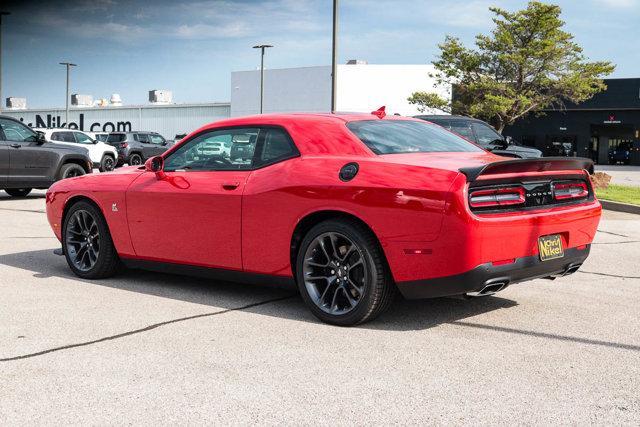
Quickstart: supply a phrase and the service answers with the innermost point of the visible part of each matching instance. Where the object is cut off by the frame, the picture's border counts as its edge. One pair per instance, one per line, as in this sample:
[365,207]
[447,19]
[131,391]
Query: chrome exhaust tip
[572,269]
[489,288]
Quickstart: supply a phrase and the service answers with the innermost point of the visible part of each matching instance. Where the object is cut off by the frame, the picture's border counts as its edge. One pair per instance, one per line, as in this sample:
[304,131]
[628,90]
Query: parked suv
[28,161]
[484,135]
[136,147]
[102,155]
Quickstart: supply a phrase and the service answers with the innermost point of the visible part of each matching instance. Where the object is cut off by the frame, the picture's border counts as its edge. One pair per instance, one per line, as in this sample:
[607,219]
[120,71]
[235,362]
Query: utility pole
[334,53]
[66,116]
[1,93]
[262,47]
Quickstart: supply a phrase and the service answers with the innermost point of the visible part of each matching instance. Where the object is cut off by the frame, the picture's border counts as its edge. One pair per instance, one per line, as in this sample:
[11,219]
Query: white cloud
[206,31]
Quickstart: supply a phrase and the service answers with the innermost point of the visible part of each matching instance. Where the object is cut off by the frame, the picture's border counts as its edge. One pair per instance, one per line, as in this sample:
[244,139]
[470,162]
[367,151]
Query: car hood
[446,161]
[105,147]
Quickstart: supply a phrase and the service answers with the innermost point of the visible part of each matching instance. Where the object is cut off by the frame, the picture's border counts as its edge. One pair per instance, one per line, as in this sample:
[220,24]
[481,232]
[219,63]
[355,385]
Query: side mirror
[40,138]
[155,165]
[95,141]
[499,144]
[509,140]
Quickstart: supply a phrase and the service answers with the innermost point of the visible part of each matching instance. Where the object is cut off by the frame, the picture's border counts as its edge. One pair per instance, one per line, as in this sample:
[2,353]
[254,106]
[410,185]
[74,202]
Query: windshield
[392,137]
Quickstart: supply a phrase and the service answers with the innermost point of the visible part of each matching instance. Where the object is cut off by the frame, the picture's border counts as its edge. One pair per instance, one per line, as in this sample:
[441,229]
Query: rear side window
[277,146]
[143,137]
[116,137]
[393,137]
[63,136]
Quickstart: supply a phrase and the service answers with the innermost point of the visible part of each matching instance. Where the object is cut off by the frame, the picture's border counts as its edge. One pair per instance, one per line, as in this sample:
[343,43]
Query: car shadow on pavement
[5,196]
[402,315]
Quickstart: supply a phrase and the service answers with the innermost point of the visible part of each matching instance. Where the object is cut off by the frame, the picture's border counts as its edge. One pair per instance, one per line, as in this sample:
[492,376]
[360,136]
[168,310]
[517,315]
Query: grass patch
[620,193]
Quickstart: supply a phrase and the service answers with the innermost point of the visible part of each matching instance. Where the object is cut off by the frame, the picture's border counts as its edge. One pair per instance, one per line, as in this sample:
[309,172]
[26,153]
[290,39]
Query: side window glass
[277,146]
[143,137]
[83,138]
[135,137]
[463,129]
[156,139]
[485,134]
[67,137]
[14,131]
[57,136]
[228,149]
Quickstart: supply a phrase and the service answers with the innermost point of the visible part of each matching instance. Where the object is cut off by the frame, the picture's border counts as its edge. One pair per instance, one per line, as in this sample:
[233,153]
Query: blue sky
[191,47]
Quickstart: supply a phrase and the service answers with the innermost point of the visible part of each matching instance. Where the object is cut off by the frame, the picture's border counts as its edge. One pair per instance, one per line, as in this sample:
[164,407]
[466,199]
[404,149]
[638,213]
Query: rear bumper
[526,268]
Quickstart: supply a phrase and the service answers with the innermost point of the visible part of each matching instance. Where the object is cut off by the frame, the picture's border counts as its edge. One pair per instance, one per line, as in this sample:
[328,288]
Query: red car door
[193,214]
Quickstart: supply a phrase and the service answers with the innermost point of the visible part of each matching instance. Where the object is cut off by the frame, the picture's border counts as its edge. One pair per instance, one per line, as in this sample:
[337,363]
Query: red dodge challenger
[350,207]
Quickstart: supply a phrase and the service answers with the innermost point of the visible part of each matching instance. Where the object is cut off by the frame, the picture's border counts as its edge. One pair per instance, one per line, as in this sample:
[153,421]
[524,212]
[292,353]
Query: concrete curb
[620,207]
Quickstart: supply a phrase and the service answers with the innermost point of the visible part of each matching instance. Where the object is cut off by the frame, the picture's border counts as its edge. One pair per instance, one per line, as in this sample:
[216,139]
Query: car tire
[18,192]
[358,282]
[107,164]
[71,170]
[135,160]
[87,244]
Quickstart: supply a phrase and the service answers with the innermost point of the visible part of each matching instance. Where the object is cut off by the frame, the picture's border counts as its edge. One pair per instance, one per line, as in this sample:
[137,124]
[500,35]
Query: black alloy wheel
[334,273]
[87,243]
[108,164]
[135,160]
[71,170]
[342,273]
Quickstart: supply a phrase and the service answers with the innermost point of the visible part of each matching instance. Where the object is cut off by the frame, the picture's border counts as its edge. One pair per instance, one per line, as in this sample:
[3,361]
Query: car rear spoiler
[542,164]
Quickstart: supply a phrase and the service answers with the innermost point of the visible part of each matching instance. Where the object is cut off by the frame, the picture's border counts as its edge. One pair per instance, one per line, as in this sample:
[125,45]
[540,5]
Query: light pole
[334,54]
[262,47]
[1,98]
[66,116]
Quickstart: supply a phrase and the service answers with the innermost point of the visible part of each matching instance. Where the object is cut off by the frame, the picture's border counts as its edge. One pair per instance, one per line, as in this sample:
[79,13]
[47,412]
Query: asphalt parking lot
[151,348]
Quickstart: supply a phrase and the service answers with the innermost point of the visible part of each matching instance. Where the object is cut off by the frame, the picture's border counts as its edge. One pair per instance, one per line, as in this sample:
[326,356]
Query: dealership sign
[51,121]
[612,120]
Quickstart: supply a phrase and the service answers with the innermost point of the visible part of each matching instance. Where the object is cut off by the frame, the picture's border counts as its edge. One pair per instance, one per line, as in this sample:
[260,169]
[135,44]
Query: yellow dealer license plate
[550,247]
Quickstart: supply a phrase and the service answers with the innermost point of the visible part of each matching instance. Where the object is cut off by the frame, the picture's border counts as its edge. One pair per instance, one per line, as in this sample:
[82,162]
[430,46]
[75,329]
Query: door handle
[230,185]
[15,145]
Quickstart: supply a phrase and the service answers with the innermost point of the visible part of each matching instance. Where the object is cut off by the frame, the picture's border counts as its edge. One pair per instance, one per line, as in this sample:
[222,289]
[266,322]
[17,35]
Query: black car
[620,153]
[28,161]
[484,135]
[136,147]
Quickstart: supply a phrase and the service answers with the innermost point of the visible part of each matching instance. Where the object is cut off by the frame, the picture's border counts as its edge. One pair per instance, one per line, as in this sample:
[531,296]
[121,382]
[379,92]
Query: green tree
[527,63]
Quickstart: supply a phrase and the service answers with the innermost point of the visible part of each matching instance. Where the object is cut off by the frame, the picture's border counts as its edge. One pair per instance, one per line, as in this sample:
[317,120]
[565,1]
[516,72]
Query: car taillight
[570,190]
[124,145]
[506,196]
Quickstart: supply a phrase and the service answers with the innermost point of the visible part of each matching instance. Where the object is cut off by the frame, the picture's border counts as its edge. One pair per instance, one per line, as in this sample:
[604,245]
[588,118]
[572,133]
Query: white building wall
[285,90]
[365,88]
[361,88]
[168,120]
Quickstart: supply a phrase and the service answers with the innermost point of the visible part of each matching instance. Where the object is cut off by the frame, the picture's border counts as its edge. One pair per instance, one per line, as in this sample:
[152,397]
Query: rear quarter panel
[399,203]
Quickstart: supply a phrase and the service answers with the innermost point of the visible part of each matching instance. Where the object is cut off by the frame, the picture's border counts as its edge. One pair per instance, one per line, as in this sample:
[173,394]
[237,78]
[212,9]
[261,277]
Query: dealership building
[607,122]
[361,87]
